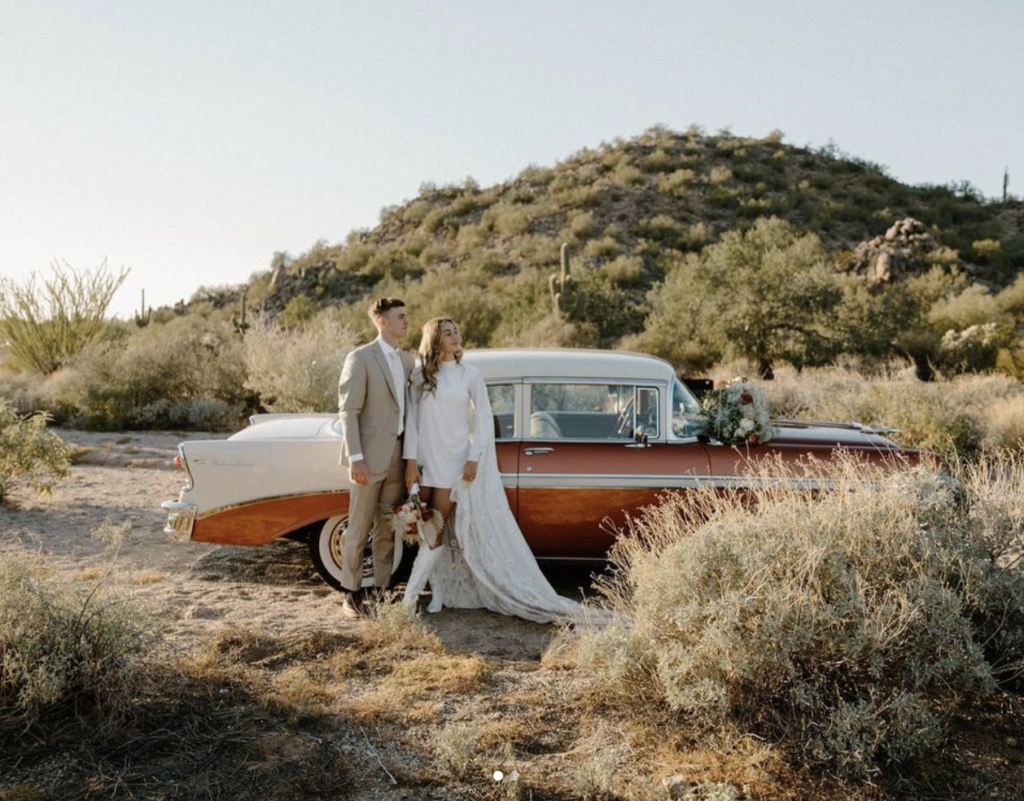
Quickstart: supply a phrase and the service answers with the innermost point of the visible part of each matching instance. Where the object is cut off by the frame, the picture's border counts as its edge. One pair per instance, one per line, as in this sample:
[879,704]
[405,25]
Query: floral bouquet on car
[737,413]
[413,520]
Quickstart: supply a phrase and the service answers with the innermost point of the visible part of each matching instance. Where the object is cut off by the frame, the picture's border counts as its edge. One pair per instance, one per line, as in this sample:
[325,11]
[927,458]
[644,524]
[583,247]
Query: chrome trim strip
[188,470]
[569,481]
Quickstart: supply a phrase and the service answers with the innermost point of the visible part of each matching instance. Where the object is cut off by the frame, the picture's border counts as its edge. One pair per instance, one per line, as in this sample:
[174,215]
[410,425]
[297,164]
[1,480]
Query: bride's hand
[469,471]
[412,474]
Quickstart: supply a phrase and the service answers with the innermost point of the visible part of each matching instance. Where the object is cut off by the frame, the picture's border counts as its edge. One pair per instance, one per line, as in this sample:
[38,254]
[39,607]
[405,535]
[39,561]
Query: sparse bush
[604,248]
[664,229]
[29,454]
[514,220]
[972,350]
[298,311]
[61,645]
[974,306]
[157,377]
[624,271]
[297,370]
[48,326]
[848,627]
[583,225]
[676,183]
[719,175]
[927,415]
[456,749]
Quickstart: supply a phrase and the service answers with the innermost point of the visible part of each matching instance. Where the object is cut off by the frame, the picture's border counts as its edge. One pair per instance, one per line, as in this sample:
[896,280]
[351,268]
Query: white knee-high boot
[422,571]
[436,601]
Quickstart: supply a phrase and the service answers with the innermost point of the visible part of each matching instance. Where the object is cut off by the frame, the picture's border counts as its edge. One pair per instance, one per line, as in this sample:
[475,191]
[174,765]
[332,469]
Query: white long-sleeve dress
[485,562]
[442,431]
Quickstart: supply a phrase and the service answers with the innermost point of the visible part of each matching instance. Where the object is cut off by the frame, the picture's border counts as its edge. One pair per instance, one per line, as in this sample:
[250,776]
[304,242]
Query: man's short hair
[382,306]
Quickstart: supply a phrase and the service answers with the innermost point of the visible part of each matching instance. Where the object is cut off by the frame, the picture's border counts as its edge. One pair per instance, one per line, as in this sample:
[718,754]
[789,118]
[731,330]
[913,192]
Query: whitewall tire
[326,545]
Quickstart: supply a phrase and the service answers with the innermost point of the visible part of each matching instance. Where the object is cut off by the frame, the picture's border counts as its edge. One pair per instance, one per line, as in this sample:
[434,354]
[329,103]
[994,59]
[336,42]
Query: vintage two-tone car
[583,439]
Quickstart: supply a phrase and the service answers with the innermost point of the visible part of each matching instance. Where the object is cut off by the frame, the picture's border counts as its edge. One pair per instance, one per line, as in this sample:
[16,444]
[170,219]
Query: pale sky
[191,140]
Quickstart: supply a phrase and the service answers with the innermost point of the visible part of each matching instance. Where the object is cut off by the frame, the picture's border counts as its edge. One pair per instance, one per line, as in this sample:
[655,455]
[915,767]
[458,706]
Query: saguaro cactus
[142,316]
[561,281]
[238,320]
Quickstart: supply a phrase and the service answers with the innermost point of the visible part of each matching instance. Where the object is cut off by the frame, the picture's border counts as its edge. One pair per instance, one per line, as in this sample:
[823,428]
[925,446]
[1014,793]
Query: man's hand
[359,473]
[412,474]
[469,471]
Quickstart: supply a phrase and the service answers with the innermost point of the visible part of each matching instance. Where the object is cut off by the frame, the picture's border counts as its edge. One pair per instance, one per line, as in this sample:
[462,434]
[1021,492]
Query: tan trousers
[387,490]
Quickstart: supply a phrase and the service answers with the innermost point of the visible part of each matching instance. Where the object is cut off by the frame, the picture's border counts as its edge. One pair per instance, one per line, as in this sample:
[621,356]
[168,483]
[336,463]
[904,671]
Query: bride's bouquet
[413,520]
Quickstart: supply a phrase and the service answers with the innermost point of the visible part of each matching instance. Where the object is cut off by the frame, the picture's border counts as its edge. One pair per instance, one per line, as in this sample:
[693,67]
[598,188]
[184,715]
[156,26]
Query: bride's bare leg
[440,499]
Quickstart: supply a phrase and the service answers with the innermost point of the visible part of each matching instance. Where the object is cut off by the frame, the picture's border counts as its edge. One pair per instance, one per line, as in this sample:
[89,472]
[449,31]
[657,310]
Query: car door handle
[535,451]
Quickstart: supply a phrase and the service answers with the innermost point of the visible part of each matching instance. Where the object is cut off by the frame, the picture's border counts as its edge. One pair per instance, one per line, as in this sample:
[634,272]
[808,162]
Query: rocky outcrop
[906,249]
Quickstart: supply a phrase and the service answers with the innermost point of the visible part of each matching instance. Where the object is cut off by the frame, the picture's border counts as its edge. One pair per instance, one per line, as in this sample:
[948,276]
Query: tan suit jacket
[368,406]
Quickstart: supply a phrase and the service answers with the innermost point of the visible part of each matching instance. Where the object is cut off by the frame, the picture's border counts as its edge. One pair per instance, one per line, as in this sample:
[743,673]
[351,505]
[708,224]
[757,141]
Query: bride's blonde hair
[431,351]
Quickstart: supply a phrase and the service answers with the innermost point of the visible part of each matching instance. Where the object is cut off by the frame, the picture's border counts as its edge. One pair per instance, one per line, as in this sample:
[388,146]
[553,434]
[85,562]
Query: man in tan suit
[371,405]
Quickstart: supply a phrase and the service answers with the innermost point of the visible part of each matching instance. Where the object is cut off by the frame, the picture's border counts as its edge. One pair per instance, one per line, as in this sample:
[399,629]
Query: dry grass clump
[845,627]
[456,749]
[962,416]
[62,646]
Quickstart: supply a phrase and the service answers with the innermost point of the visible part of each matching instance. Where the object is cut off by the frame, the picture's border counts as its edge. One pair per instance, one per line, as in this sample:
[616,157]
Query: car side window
[592,411]
[503,407]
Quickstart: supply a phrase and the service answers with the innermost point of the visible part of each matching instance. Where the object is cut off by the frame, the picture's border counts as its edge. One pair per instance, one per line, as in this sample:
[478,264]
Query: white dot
[498,775]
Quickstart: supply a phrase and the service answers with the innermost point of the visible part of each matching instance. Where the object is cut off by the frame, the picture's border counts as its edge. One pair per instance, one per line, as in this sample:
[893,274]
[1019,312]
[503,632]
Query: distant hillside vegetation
[630,212]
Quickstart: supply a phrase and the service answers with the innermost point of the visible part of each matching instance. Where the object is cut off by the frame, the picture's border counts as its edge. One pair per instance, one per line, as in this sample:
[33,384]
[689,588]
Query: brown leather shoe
[352,606]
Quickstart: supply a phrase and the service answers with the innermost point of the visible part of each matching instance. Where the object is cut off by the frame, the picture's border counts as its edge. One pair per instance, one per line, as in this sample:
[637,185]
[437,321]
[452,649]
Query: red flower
[746,398]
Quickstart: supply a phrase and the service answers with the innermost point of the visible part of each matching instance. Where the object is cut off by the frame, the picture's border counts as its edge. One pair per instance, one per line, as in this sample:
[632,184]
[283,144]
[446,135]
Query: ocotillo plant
[142,316]
[560,280]
[239,321]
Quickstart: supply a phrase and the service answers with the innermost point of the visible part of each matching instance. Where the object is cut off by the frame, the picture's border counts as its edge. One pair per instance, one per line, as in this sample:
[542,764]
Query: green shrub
[298,311]
[625,271]
[296,370]
[61,646]
[514,220]
[604,248]
[583,225]
[185,373]
[29,454]
[974,306]
[972,350]
[46,327]
[676,183]
[846,625]
[664,229]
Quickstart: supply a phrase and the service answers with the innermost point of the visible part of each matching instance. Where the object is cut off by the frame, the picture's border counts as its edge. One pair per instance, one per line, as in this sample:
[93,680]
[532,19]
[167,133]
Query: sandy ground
[197,589]
[197,592]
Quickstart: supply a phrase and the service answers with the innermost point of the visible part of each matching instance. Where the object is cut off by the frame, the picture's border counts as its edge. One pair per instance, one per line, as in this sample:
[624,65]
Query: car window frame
[660,387]
[517,404]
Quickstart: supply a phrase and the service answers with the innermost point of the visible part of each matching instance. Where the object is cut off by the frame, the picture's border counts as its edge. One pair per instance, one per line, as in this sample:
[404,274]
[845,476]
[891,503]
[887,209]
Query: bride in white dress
[483,561]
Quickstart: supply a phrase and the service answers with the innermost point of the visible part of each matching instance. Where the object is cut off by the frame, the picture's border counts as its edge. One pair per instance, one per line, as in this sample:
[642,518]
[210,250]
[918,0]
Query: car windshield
[685,411]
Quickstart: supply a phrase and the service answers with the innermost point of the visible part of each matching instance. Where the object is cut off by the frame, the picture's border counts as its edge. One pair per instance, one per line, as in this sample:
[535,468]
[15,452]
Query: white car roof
[515,363]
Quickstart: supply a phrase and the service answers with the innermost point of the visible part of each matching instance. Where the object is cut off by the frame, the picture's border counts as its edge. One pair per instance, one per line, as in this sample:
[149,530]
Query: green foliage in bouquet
[737,413]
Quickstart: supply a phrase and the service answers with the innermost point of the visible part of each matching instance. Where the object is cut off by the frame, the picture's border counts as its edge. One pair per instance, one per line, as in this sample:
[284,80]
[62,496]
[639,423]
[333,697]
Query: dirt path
[197,589]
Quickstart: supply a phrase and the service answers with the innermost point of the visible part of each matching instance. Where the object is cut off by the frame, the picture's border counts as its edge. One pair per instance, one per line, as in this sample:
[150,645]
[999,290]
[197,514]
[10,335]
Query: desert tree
[46,322]
[763,294]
